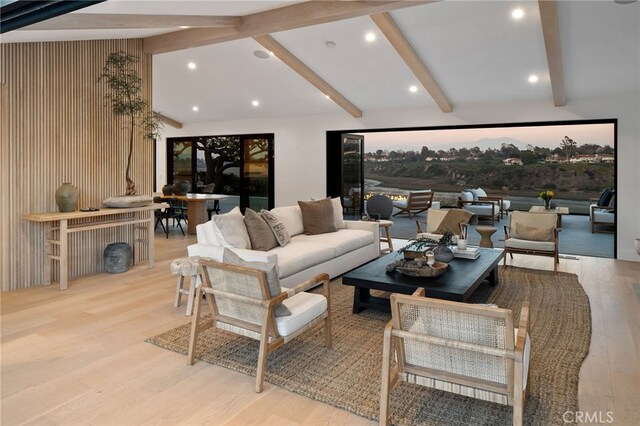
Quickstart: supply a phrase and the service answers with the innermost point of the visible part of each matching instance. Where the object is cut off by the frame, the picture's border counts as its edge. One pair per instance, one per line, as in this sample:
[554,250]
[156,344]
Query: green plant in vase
[124,95]
[417,247]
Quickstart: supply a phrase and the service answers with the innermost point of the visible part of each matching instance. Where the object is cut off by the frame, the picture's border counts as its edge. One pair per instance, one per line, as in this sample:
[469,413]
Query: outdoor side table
[485,235]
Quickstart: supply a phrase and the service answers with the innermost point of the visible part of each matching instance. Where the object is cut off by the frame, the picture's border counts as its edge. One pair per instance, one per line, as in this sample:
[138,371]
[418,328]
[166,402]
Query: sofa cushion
[603,216]
[466,195]
[529,245]
[260,233]
[479,192]
[277,227]
[338,217]
[293,258]
[317,216]
[532,233]
[291,218]
[304,307]
[342,242]
[270,270]
[605,198]
[230,230]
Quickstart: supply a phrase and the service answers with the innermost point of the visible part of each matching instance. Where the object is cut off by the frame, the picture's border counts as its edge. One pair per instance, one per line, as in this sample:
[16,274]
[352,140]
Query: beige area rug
[348,375]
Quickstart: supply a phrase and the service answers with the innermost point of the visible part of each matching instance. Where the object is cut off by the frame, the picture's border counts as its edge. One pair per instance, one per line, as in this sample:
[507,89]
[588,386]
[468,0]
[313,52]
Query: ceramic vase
[443,253]
[117,258]
[167,190]
[67,197]
[181,187]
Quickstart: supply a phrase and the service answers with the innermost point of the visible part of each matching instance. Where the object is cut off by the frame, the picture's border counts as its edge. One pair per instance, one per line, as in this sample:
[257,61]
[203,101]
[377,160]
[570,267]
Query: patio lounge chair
[416,202]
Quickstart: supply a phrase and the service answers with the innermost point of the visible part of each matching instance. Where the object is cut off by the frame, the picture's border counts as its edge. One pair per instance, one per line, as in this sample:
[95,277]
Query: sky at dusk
[547,136]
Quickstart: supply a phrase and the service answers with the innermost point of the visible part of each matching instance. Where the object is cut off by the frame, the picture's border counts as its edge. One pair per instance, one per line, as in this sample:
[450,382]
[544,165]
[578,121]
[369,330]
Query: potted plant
[124,96]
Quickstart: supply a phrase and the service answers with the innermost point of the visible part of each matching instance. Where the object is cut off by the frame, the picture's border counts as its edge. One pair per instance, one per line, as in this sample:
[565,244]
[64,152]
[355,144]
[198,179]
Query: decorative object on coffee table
[418,246]
[124,94]
[67,198]
[443,253]
[485,235]
[117,258]
[413,268]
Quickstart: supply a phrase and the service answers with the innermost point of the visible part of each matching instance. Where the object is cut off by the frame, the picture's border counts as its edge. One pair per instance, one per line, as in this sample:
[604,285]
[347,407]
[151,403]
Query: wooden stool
[485,235]
[386,224]
[186,266]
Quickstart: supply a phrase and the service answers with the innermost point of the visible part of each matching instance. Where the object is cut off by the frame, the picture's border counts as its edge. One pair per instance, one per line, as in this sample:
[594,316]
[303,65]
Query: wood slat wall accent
[56,127]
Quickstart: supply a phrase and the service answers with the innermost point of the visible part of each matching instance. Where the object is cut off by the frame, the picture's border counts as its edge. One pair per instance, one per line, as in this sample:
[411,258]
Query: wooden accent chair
[485,208]
[462,348]
[417,202]
[238,298]
[532,233]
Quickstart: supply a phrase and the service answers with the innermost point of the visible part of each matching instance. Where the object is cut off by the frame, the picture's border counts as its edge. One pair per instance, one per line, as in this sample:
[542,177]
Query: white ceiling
[474,49]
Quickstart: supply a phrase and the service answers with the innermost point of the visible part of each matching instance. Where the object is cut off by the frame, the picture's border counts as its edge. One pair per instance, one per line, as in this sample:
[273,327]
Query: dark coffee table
[457,284]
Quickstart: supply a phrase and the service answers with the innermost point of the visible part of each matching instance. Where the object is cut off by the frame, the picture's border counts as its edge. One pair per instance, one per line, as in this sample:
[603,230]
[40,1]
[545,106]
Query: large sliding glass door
[240,166]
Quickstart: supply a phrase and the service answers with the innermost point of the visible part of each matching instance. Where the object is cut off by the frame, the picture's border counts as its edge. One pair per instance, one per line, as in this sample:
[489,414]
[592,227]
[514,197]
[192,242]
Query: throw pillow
[317,216]
[278,229]
[605,198]
[531,233]
[260,233]
[452,220]
[466,195]
[338,217]
[271,272]
[230,229]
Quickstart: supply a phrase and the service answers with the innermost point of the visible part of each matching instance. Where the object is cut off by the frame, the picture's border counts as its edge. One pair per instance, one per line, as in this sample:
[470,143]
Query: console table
[58,226]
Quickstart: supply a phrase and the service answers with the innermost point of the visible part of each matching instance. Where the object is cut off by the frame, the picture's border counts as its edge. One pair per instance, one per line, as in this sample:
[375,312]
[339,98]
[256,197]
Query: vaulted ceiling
[454,52]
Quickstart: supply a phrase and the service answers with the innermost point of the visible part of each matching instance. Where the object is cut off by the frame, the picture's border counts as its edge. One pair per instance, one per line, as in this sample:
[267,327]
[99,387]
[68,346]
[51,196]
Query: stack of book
[469,253]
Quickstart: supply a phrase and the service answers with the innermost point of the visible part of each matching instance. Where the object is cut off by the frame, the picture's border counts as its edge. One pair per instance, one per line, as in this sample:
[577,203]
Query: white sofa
[306,255]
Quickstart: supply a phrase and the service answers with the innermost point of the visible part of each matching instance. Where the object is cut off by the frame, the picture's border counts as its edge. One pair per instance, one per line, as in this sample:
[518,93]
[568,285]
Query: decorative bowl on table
[413,269]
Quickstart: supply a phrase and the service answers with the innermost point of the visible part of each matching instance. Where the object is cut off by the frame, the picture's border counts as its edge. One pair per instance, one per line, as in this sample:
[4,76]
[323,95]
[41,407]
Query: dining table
[196,207]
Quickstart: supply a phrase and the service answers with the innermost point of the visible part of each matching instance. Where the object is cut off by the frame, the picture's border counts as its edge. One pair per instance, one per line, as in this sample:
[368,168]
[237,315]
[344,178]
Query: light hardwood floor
[79,357]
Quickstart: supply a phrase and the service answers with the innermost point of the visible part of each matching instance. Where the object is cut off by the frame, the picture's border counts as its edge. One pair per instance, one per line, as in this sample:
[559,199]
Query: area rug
[348,375]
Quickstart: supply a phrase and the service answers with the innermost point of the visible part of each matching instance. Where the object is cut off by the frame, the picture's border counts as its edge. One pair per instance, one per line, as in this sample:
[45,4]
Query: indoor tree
[124,95]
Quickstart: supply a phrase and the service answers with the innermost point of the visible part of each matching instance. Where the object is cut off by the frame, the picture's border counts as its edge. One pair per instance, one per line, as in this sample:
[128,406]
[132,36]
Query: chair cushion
[317,216]
[532,233]
[277,227]
[294,258]
[482,209]
[270,270]
[291,218]
[401,204]
[605,198]
[530,245]
[603,216]
[506,204]
[230,230]
[466,195]
[479,192]
[304,308]
[260,233]
[342,242]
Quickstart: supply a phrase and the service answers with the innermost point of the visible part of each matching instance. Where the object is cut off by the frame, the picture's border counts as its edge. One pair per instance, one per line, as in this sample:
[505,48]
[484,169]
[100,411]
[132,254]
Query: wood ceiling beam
[551,34]
[281,19]
[170,121]
[86,21]
[307,73]
[390,29]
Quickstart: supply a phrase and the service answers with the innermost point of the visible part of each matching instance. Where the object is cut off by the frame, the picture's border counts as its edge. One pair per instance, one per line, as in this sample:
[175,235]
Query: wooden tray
[411,269]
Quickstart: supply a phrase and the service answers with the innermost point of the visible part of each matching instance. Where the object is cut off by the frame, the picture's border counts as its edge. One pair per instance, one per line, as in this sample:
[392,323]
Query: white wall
[300,154]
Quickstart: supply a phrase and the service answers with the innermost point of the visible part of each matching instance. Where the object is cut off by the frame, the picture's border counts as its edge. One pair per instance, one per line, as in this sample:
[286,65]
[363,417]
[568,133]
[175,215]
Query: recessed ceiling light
[192,65]
[370,37]
[195,108]
[184,26]
[330,44]
[517,13]
[533,78]
[261,54]
[327,96]
[413,89]
[255,103]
